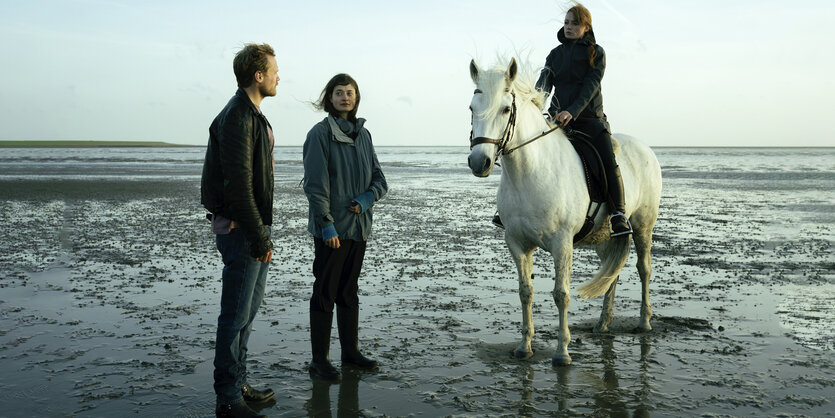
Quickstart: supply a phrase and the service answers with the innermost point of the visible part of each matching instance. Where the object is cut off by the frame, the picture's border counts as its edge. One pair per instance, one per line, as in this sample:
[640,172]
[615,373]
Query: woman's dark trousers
[337,272]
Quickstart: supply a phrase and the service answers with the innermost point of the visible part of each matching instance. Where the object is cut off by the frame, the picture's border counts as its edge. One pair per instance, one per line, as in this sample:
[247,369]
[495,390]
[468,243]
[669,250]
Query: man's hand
[356,208]
[266,258]
[332,242]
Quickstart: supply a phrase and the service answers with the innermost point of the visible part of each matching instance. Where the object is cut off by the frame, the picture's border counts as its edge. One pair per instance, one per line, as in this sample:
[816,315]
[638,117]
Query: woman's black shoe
[253,395]
[620,225]
[359,361]
[323,370]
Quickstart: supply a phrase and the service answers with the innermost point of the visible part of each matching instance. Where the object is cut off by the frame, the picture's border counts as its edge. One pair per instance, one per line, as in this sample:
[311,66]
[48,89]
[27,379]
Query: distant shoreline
[90,144]
[159,144]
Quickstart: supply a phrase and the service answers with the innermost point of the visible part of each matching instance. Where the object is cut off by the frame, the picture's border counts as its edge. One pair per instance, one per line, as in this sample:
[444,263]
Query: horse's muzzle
[481,167]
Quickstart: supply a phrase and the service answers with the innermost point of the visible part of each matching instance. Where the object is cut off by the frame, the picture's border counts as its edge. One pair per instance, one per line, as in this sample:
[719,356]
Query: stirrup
[628,229]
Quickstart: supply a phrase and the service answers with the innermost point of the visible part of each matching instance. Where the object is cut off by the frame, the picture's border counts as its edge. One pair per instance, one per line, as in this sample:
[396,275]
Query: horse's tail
[612,259]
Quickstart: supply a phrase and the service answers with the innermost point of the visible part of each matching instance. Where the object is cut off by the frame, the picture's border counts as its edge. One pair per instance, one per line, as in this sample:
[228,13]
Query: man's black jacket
[238,171]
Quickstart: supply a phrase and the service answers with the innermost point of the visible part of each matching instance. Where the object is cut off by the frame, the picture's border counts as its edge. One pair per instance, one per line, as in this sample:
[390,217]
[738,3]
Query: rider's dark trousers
[601,139]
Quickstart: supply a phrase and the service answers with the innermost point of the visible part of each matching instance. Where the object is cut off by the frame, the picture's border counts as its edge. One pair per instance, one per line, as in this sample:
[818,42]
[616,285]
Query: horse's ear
[474,71]
[512,70]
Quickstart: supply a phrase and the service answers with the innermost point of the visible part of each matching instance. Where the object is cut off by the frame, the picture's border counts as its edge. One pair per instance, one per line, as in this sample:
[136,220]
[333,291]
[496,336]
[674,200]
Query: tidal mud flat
[109,294]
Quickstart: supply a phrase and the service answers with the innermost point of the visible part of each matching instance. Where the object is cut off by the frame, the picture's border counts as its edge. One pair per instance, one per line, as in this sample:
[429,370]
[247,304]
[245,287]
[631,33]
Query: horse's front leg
[524,266]
[562,250]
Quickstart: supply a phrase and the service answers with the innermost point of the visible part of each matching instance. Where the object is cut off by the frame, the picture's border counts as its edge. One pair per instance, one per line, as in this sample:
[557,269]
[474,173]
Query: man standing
[237,188]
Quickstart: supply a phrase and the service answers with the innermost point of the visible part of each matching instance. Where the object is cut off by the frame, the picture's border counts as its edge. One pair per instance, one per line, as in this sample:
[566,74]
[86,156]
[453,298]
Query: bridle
[508,130]
[501,144]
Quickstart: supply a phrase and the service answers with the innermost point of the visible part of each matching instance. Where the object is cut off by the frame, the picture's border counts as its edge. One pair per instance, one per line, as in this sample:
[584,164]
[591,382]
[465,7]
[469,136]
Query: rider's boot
[617,213]
[498,221]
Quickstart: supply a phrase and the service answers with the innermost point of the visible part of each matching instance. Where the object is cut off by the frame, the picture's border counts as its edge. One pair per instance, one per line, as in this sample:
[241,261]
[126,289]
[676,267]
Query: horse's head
[493,110]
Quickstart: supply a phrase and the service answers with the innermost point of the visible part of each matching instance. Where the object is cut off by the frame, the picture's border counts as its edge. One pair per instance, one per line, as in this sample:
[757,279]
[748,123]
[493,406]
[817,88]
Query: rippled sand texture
[109,296]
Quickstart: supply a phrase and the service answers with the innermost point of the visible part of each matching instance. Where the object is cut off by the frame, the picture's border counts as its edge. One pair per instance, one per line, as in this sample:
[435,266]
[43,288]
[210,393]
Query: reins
[544,133]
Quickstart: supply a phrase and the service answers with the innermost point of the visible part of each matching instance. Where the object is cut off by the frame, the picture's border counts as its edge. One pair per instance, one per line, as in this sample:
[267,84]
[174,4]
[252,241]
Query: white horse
[543,197]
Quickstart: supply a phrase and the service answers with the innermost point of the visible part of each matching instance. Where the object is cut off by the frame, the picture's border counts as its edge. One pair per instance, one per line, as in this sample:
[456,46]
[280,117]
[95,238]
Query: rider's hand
[563,117]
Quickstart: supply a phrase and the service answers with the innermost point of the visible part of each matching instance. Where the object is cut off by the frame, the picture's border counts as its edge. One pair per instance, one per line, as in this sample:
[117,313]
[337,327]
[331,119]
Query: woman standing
[574,70]
[342,180]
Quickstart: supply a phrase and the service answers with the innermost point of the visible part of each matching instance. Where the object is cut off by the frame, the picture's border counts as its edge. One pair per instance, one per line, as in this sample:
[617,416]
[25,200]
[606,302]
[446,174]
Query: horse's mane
[492,83]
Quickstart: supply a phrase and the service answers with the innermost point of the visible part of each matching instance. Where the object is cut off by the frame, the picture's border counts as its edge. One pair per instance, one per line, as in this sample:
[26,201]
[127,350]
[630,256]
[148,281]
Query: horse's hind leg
[524,266]
[643,246]
[607,313]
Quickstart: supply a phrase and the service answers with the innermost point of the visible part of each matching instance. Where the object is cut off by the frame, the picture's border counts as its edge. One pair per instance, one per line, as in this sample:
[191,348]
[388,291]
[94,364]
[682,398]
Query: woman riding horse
[573,71]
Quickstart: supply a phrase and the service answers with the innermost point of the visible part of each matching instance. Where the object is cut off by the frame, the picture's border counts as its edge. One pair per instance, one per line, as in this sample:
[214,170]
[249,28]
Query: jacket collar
[344,131]
[587,39]
[336,132]
[245,98]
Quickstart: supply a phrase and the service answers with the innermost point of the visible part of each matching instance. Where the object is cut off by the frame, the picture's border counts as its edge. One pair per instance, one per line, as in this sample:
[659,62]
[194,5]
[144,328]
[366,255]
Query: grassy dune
[85,144]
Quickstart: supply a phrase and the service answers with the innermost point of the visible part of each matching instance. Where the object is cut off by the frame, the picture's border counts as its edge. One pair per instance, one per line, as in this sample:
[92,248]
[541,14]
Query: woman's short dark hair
[325,103]
[249,60]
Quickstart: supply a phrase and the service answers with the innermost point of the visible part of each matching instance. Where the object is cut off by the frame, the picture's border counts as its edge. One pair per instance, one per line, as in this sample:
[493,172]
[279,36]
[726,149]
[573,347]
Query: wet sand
[109,296]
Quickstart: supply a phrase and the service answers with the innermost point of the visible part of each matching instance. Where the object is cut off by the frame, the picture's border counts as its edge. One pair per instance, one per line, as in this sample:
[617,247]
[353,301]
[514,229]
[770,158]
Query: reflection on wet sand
[347,405]
[610,399]
[644,391]
[528,404]
[526,407]
[564,383]
[604,382]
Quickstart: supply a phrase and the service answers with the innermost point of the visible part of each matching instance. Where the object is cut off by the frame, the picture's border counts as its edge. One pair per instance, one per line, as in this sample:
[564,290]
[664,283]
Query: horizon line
[58,143]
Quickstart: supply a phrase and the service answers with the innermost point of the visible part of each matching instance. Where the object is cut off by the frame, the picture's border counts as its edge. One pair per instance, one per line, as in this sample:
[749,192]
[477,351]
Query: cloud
[404,99]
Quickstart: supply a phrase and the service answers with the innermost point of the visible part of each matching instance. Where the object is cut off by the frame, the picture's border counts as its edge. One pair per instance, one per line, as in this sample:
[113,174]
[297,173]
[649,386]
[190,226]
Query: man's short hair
[249,60]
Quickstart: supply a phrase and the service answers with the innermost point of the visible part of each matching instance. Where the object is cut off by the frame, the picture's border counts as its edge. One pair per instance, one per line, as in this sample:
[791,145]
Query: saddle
[595,177]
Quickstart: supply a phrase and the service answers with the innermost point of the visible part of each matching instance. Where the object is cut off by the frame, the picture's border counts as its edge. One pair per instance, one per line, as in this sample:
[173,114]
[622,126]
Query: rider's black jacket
[238,171]
[575,83]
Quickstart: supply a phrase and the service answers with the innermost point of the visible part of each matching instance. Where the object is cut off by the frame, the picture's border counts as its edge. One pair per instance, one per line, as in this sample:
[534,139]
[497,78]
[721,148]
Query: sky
[679,73]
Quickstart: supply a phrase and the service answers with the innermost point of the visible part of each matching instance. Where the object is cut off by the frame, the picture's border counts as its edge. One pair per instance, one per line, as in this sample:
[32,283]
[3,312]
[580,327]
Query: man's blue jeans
[243,290]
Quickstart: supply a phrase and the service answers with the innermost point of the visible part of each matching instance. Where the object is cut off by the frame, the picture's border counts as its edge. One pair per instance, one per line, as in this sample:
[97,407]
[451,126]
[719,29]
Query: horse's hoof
[600,329]
[560,360]
[523,354]
[644,327]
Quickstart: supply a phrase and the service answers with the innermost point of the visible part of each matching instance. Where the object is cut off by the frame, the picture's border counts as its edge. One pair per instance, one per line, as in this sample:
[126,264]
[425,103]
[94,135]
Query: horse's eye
[506,110]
